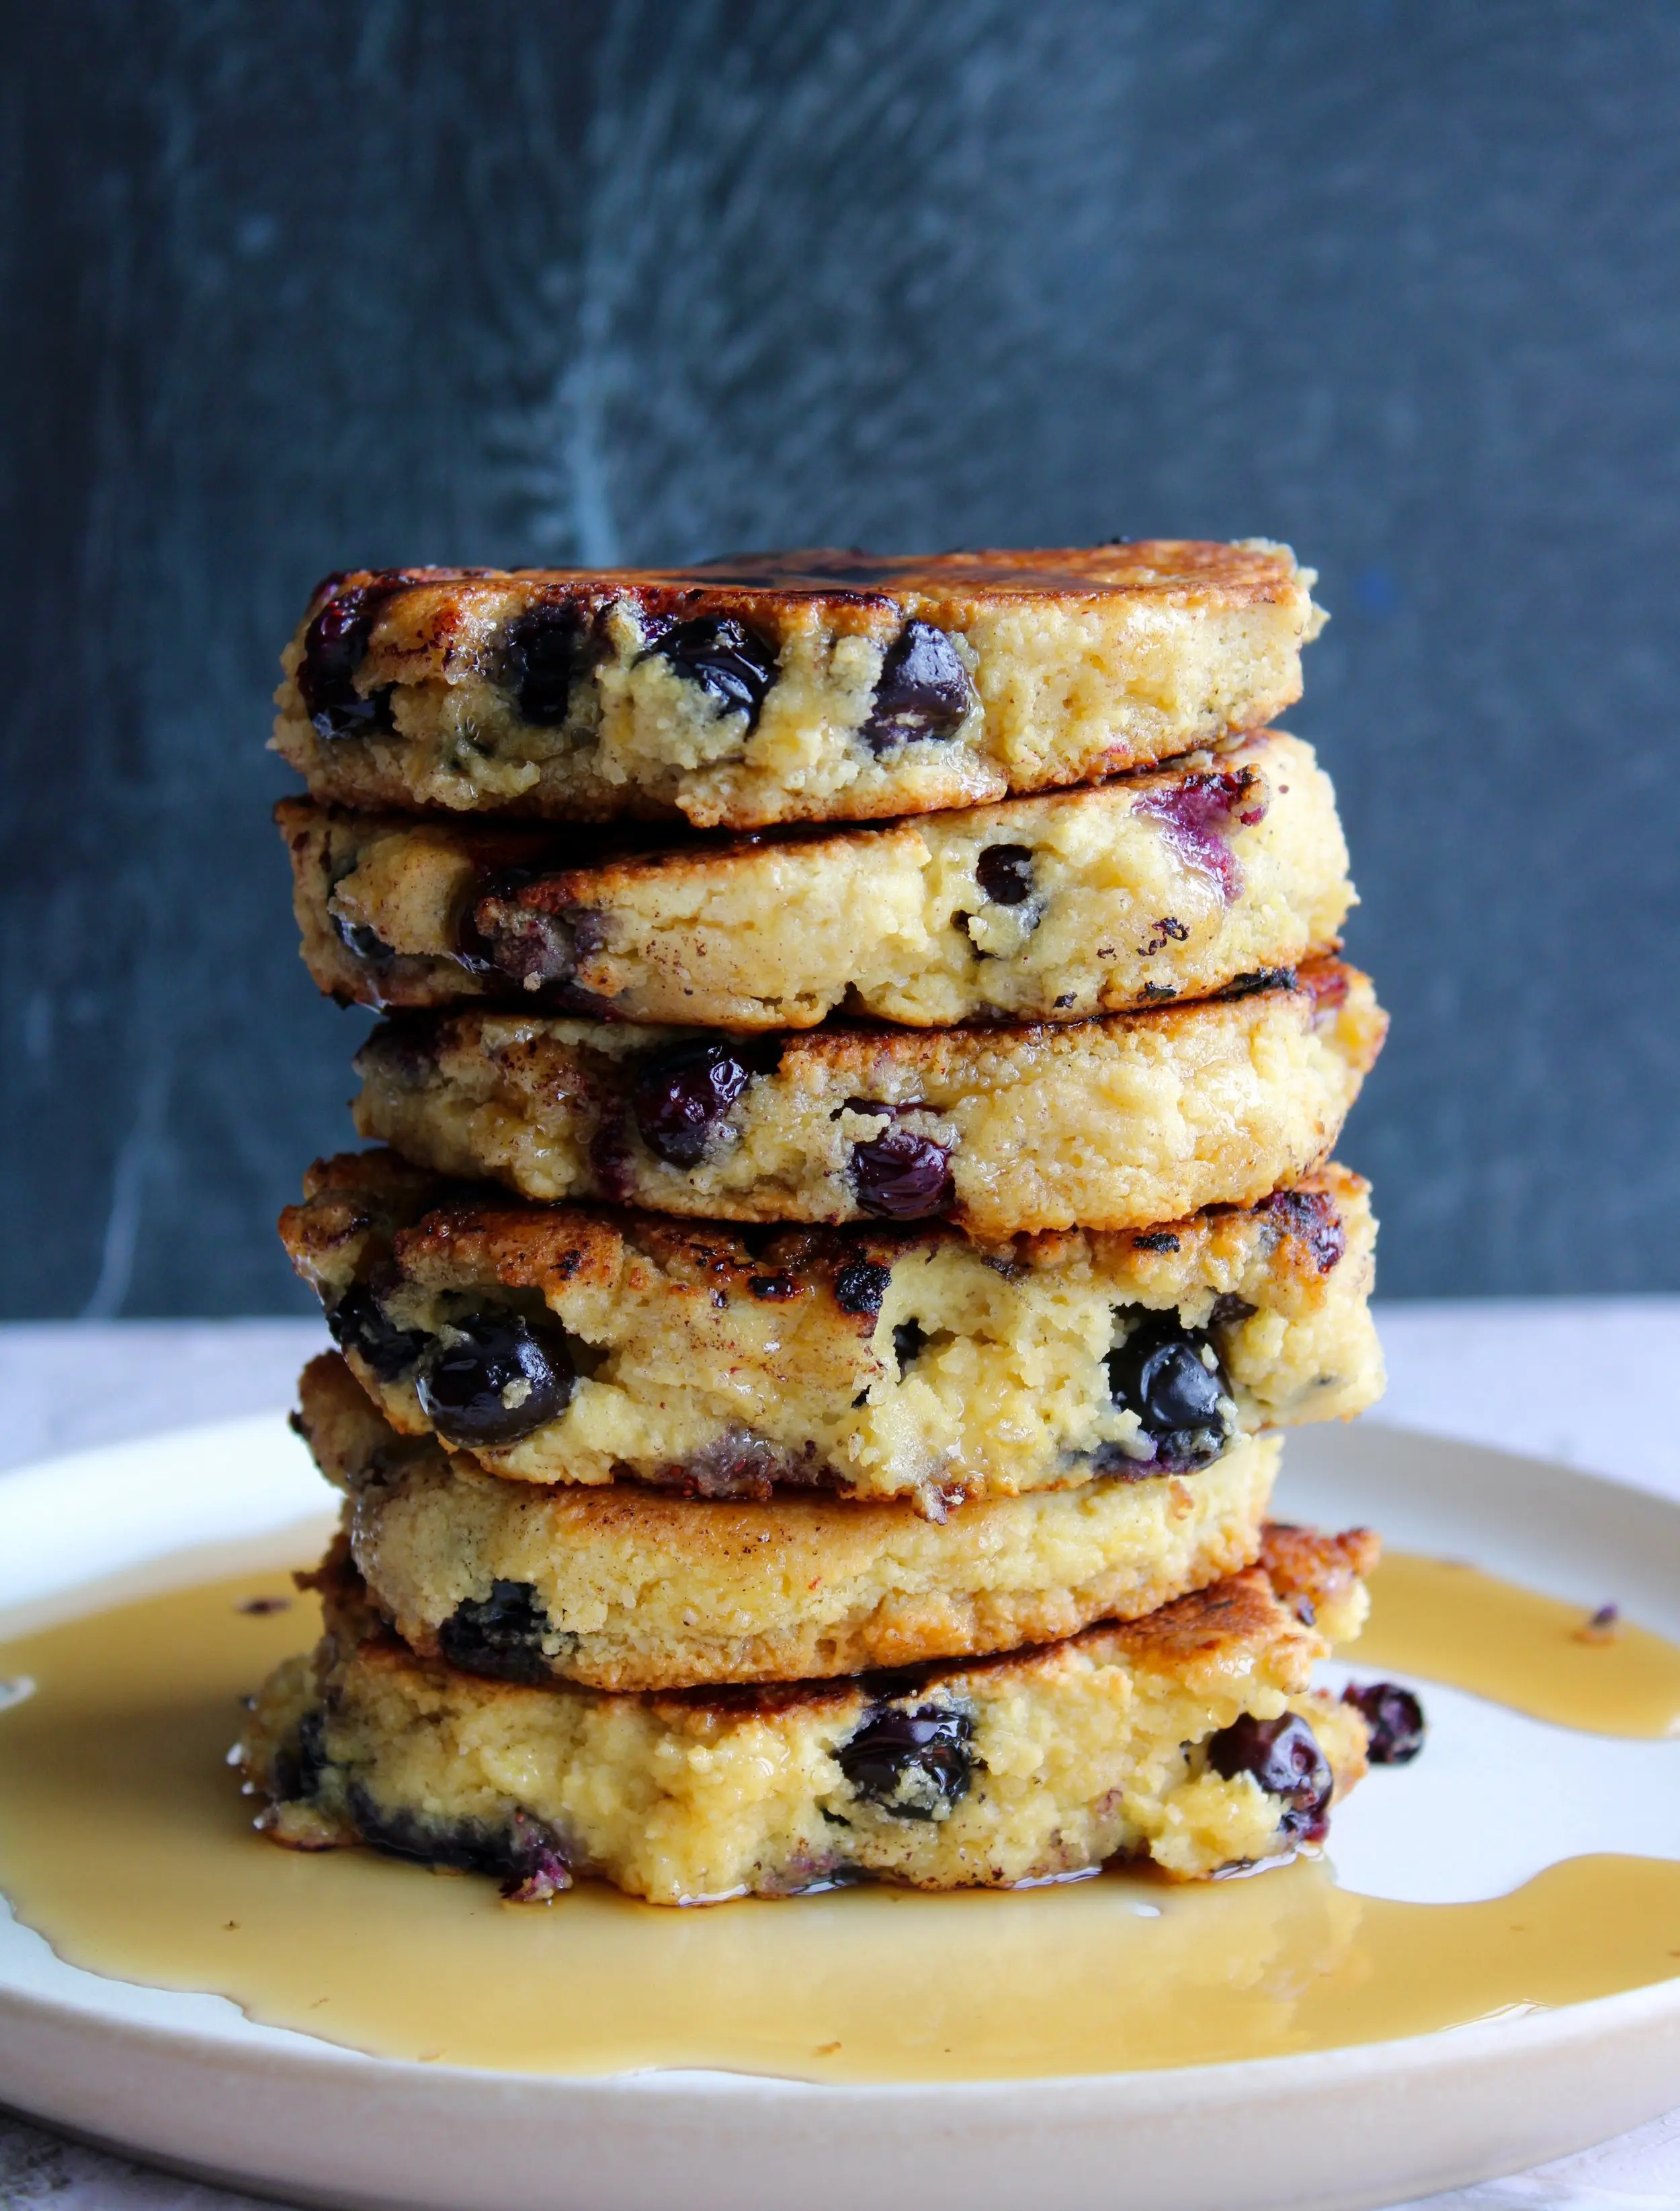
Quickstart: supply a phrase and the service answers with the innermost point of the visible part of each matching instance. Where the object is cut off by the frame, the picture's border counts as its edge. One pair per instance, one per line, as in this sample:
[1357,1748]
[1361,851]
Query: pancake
[1189,1738]
[1117,1122]
[630,1588]
[586,1345]
[1055,908]
[795,686]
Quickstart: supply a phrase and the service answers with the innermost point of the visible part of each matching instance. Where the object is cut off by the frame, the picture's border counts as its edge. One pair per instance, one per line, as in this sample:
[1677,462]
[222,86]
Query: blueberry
[534,1866]
[1283,1756]
[501,1634]
[915,1764]
[401,1052]
[1161,1374]
[1198,812]
[860,1287]
[1395,1718]
[499,934]
[363,942]
[526,1854]
[681,1097]
[545,650]
[729,661]
[482,914]
[1006,874]
[738,1463]
[466,1845]
[358,1324]
[1254,980]
[300,1763]
[1310,1215]
[612,1158]
[499,1378]
[923,690]
[334,647]
[909,1341]
[899,1176]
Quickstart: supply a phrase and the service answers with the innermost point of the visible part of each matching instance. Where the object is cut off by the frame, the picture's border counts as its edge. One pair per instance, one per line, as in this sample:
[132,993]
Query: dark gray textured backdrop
[292,289]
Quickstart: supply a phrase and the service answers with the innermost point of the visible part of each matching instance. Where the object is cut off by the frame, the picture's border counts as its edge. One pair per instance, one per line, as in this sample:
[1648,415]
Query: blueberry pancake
[579,1345]
[1052,908]
[1117,1123]
[627,1587]
[1189,1737]
[794,686]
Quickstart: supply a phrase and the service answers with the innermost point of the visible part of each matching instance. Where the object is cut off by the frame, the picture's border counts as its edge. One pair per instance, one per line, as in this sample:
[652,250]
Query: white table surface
[1585,1380]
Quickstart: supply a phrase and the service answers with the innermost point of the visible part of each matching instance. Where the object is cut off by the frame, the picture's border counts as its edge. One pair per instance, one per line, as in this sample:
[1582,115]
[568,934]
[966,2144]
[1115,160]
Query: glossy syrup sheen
[1447,1620]
[124,1840]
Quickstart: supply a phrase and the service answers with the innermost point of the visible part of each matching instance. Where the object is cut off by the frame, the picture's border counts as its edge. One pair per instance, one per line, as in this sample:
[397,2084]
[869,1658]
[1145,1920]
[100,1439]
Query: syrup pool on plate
[124,1840]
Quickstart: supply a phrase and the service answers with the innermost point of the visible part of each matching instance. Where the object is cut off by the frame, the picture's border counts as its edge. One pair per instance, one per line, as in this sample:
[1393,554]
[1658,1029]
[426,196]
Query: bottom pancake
[1189,1738]
[629,1588]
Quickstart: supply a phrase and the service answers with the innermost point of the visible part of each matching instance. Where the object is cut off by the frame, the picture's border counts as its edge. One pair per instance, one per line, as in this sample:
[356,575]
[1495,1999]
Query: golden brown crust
[1308,1562]
[376,1205]
[425,613]
[1241,1626]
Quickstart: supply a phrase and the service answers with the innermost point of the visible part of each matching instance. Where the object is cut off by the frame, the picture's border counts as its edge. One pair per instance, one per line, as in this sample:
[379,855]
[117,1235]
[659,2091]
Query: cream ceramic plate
[187,2079]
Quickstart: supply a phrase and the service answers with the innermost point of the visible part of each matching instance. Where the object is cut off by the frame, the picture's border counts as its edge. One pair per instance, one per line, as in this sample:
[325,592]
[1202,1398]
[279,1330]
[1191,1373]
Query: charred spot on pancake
[861,1285]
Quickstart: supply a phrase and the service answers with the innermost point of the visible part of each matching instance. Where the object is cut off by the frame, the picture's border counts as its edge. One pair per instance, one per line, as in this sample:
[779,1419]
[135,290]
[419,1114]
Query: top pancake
[798,686]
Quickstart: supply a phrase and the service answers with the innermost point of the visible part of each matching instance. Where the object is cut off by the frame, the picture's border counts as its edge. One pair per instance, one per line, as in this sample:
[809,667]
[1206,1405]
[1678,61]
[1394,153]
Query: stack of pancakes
[864,1044]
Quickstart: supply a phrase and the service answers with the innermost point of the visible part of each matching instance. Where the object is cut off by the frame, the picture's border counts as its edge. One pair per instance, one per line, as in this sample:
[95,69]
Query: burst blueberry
[1283,1755]
[493,1379]
[546,650]
[362,941]
[1171,1378]
[681,1096]
[358,1324]
[500,933]
[334,647]
[501,1635]
[1006,874]
[916,1765]
[899,1176]
[1394,1718]
[923,690]
[731,664]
